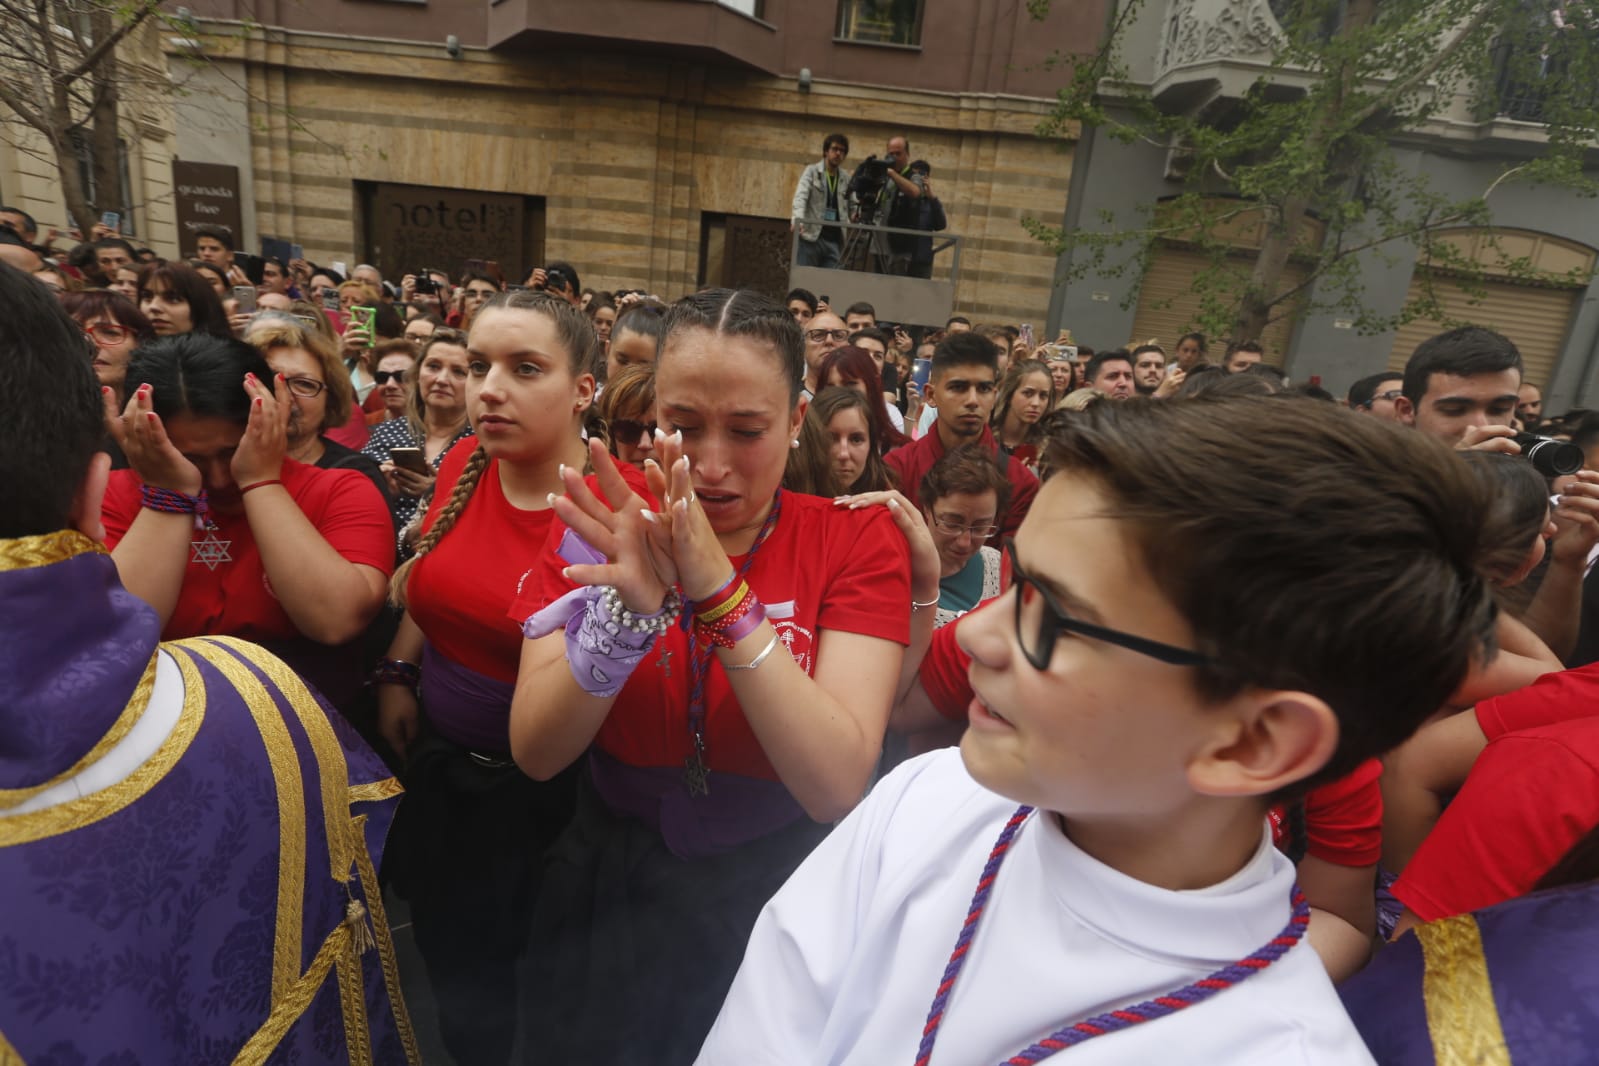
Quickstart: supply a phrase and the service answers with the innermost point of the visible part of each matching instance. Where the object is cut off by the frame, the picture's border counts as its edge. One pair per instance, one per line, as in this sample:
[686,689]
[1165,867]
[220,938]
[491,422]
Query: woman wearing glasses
[116,326]
[432,417]
[320,394]
[628,407]
[221,531]
[962,497]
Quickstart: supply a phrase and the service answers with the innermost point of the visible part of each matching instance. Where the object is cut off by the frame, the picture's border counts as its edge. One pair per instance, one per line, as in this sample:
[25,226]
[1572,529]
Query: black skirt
[632,948]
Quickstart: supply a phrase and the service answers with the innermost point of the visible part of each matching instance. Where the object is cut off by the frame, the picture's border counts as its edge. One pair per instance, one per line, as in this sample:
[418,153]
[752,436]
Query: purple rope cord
[1111,1021]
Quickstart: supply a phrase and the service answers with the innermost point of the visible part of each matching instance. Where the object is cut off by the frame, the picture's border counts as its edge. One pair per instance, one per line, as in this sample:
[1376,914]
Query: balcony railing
[923,300]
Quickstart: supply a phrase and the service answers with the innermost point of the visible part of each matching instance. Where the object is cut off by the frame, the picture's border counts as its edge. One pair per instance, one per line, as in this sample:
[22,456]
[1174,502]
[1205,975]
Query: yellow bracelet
[738,597]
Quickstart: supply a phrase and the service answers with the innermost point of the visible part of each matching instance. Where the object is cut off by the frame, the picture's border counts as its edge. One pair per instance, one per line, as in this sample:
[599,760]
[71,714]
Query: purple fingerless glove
[600,652]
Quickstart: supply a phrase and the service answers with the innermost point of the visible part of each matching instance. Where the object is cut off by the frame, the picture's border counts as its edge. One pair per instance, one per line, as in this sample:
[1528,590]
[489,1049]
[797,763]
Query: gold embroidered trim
[333,770]
[12,797]
[87,810]
[1461,1016]
[380,926]
[285,762]
[352,1002]
[373,791]
[24,553]
[8,1054]
[296,1000]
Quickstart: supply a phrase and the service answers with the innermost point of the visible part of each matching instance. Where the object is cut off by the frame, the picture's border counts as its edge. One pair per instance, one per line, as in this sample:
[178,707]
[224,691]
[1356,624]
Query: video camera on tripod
[865,190]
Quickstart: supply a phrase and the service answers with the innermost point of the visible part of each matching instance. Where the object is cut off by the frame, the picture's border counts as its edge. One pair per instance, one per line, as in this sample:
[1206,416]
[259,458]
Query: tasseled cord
[360,930]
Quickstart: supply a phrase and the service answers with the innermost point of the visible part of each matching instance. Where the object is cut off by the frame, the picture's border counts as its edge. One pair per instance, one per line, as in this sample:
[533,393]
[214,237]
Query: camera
[425,285]
[1550,457]
[866,183]
[555,280]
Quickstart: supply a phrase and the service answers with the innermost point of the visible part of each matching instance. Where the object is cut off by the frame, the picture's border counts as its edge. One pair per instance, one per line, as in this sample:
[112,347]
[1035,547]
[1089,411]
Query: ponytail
[459,497]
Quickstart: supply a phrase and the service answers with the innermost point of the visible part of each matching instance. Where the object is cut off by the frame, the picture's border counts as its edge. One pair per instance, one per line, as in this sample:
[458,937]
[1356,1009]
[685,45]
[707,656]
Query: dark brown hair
[875,476]
[741,313]
[183,281]
[1308,547]
[631,391]
[90,304]
[969,469]
[577,336]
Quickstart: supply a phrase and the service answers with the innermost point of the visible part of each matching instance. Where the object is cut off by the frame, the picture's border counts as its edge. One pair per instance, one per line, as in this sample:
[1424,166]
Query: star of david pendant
[695,773]
[210,551]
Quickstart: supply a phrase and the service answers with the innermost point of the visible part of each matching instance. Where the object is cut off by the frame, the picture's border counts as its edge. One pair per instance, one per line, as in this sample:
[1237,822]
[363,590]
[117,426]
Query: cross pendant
[665,662]
[695,773]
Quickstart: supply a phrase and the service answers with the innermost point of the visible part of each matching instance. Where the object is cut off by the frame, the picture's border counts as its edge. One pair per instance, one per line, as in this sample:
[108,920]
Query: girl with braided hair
[717,749]
[474,826]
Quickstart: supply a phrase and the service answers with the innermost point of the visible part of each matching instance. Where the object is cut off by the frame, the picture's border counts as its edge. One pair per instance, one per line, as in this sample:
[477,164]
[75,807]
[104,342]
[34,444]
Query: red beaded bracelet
[259,485]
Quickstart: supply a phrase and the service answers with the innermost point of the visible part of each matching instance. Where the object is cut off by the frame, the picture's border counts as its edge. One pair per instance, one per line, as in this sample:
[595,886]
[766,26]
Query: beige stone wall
[28,175]
[628,152]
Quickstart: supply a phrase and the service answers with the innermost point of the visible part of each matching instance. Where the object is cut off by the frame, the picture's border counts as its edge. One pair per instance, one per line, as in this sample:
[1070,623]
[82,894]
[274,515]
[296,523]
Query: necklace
[695,773]
[1111,1021]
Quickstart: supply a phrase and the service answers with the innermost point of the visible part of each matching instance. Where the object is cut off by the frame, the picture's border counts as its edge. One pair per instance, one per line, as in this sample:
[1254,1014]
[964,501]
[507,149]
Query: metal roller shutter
[1168,306]
[1536,318]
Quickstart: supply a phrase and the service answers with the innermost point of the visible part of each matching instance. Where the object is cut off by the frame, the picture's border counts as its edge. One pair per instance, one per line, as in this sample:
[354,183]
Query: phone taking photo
[244,298]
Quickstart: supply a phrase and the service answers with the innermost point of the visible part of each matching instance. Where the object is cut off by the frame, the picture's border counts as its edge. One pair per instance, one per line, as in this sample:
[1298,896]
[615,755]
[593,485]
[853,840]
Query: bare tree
[61,74]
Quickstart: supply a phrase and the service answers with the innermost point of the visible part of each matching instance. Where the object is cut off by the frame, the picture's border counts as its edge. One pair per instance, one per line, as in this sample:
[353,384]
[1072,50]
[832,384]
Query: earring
[794,443]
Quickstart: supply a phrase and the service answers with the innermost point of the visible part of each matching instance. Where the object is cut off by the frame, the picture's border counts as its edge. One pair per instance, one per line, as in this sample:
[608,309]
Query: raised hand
[259,456]
[140,434]
[635,564]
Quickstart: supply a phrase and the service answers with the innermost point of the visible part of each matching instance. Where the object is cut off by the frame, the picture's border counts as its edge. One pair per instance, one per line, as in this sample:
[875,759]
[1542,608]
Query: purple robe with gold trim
[220,903]
[1515,984]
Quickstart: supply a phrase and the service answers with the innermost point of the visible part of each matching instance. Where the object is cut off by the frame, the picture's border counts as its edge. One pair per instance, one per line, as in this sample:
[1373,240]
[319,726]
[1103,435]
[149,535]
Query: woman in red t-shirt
[715,761]
[222,534]
[473,828]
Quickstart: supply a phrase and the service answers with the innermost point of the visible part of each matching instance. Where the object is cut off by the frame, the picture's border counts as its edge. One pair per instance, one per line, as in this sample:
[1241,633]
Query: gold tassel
[360,931]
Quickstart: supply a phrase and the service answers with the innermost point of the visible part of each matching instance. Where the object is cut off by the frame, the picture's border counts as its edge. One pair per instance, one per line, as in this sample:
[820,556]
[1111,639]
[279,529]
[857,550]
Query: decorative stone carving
[1197,30]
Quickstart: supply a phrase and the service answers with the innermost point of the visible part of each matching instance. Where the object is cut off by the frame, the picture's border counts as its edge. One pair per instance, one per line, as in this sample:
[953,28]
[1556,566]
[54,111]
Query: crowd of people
[768,682]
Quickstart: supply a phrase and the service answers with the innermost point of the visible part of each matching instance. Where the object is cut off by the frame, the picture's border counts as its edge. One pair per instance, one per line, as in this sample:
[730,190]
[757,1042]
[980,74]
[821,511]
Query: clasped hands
[647,551]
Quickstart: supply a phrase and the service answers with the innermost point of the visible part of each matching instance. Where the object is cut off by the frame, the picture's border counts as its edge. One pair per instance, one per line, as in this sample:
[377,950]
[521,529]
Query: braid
[459,496]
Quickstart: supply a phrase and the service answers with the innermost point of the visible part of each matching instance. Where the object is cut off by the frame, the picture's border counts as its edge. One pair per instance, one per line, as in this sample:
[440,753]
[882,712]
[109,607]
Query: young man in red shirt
[963,387]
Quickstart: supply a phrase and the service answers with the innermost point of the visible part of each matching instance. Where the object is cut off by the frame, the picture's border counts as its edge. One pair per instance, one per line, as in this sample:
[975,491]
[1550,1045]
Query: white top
[844,960]
[137,747]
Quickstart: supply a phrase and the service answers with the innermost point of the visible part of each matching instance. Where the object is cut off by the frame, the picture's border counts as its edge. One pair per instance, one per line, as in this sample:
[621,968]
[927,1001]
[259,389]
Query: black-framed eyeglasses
[1038,637]
[383,377]
[820,335]
[625,429]
[954,527]
[306,388]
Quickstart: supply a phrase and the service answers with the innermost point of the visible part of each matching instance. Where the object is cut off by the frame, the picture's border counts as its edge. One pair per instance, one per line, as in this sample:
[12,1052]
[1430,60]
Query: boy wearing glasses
[1093,868]
[962,386]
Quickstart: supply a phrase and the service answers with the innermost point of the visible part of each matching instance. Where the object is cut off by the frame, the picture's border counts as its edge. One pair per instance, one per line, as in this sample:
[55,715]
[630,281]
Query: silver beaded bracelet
[657,623]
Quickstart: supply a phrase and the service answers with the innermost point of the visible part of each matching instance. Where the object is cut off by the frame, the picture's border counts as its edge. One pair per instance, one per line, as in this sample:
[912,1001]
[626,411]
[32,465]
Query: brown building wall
[982,46]
[628,154]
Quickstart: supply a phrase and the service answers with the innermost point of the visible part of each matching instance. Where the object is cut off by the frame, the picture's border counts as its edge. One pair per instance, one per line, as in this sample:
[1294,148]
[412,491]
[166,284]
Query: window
[752,8]
[880,21]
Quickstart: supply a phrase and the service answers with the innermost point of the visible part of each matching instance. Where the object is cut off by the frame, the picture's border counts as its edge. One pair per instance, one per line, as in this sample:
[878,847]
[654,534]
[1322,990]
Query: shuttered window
[1168,306]
[1535,318]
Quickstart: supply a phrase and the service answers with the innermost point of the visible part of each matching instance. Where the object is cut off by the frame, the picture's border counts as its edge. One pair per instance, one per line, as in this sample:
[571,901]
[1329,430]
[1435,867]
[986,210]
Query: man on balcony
[817,197]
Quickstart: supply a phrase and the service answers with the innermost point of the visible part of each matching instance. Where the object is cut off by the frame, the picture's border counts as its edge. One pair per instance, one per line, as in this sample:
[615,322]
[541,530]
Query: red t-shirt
[1552,698]
[1343,818]
[235,598]
[1529,797]
[822,568]
[460,593]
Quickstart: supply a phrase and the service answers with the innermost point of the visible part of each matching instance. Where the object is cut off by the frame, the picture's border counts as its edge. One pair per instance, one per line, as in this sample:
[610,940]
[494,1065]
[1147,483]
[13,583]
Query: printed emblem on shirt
[800,641]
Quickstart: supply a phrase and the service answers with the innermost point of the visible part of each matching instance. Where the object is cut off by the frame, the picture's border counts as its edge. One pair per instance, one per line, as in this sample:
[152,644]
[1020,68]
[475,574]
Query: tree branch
[1399,89]
[103,47]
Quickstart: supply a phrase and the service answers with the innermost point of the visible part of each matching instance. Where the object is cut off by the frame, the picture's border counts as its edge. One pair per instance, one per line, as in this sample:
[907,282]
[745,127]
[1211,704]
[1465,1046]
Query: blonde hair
[368,295]
[577,334]
[276,330]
